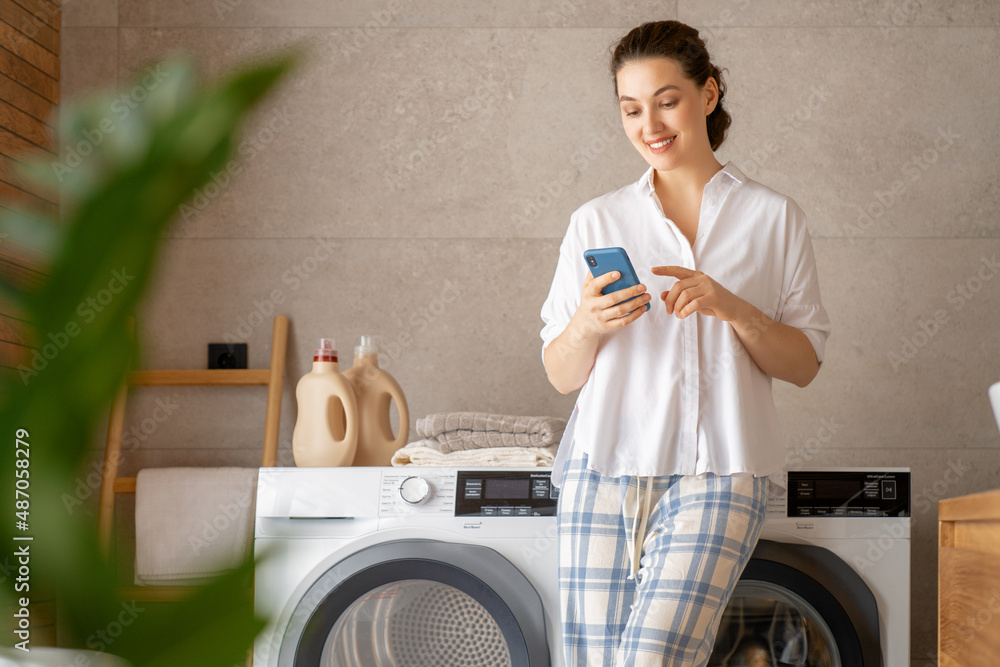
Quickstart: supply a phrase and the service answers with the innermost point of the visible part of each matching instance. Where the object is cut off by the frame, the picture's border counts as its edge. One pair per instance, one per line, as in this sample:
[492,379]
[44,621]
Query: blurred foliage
[129,165]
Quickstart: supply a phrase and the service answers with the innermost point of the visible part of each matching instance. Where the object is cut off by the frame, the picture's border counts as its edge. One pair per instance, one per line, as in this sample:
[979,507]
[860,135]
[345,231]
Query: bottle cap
[367,347]
[327,350]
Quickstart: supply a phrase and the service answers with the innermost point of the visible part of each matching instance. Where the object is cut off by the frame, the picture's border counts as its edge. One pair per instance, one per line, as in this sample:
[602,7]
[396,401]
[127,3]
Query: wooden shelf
[168,593]
[191,378]
[969,580]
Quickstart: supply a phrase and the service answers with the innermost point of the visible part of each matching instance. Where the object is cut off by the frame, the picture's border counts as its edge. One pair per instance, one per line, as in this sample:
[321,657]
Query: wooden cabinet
[969,581]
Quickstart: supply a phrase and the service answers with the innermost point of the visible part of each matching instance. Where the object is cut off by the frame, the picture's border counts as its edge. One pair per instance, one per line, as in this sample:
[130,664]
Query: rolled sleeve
[564,294]
[801,306]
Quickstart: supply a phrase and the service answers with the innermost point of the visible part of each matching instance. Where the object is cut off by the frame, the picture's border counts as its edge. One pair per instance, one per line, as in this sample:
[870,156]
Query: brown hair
[681,43]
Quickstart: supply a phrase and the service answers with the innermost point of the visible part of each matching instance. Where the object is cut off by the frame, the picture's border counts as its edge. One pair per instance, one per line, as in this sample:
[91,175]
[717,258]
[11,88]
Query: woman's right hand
[569,358]
[601,313]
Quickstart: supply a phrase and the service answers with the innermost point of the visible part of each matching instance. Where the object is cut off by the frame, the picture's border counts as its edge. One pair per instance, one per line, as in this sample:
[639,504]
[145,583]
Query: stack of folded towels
[483,439]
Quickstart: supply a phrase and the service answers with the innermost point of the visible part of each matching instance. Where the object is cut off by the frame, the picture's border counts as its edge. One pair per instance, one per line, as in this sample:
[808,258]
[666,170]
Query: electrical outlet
[227,355]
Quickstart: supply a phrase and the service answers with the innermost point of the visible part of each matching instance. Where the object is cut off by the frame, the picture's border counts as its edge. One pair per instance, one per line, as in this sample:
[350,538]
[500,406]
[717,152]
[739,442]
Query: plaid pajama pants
[700,534]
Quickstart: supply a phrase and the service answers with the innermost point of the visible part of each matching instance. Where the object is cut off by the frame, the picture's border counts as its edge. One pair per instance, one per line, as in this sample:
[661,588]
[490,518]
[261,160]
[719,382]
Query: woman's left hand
[779,350]
[695,292]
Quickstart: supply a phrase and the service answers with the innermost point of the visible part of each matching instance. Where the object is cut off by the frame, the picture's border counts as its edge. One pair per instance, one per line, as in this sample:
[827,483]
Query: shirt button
[711,202]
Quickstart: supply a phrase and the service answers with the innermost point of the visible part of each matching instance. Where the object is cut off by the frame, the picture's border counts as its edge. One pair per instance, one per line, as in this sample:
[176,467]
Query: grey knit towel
[471,430]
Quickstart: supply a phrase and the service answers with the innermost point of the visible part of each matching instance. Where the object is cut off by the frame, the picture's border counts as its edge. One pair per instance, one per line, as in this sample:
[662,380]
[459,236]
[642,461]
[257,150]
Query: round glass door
[417,602]
[415,623]
[766,625]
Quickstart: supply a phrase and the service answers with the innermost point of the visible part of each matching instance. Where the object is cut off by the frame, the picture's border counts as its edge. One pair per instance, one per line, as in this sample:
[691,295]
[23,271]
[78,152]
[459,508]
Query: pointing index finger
[678,272]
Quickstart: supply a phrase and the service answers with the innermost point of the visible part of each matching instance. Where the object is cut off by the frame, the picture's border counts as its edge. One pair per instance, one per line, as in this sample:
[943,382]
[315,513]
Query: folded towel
[427,453]
[192,523]
[471,430]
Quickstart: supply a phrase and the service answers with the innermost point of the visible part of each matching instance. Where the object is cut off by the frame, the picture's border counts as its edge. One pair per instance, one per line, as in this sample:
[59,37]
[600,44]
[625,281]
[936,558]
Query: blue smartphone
[604,260]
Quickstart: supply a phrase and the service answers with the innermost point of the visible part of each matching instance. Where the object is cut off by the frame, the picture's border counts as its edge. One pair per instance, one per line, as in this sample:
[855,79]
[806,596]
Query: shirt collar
[730,171]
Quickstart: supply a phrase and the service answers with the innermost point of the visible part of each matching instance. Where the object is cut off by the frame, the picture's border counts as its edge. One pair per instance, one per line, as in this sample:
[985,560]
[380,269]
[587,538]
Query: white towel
[472,430]
[192,523]
[426,453]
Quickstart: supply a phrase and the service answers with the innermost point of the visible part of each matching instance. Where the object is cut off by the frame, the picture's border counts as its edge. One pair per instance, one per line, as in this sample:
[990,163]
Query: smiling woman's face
[664,112]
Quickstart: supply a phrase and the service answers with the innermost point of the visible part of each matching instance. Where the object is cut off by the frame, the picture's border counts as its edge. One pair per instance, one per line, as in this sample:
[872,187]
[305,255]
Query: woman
[664,463]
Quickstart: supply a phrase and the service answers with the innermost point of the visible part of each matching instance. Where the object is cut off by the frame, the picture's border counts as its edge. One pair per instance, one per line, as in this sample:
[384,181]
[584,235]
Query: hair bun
[681,43]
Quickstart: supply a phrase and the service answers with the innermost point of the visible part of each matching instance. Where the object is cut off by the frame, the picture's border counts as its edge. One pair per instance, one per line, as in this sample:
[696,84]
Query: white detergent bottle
[375,390]
[326,430]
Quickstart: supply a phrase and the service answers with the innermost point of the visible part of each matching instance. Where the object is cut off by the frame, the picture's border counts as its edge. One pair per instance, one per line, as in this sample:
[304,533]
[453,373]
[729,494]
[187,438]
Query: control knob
[414,490]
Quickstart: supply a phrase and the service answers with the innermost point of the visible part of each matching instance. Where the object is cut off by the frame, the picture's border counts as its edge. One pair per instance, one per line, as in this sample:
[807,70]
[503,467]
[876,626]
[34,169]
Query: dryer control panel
[505,493]
[848,493]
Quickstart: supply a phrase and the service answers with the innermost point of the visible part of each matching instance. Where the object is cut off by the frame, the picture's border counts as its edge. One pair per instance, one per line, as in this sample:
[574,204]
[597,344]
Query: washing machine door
[418,603]
[802,606]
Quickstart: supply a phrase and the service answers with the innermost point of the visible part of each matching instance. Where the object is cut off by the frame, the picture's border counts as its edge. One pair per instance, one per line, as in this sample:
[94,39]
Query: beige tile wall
[442,153]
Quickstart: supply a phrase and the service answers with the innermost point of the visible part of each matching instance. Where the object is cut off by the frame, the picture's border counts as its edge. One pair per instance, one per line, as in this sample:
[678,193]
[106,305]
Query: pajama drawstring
[640,535]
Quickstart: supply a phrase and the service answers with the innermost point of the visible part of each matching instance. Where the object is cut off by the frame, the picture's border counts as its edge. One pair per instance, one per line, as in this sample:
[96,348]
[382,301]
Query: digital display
[848,493]
[500,489]
[837,489]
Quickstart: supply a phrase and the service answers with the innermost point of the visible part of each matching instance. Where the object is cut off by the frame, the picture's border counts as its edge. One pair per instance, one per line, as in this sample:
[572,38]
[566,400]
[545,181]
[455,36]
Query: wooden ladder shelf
[112,484]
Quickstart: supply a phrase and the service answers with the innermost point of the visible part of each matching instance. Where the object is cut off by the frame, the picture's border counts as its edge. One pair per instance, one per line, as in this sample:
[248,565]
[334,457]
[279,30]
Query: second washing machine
[829,582]
[395,567]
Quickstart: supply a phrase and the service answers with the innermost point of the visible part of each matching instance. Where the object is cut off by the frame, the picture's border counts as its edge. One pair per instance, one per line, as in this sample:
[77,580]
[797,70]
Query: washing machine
[829,582]
[406,567]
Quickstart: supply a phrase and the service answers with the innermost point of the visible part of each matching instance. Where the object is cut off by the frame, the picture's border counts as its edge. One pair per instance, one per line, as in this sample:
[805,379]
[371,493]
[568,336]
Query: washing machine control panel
[463,493]
[425,492]
[848,493]
[505,493]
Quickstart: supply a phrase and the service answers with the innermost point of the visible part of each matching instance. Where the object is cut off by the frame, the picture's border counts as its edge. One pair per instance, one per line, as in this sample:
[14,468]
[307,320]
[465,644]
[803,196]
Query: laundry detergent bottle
[375,390]
[326,430]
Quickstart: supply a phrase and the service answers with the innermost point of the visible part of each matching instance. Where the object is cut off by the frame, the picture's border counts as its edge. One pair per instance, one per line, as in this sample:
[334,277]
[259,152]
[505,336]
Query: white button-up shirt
[671,396]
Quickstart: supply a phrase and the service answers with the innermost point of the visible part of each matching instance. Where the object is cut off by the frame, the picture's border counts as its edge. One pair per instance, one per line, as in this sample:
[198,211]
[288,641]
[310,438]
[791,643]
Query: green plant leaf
[121,198]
